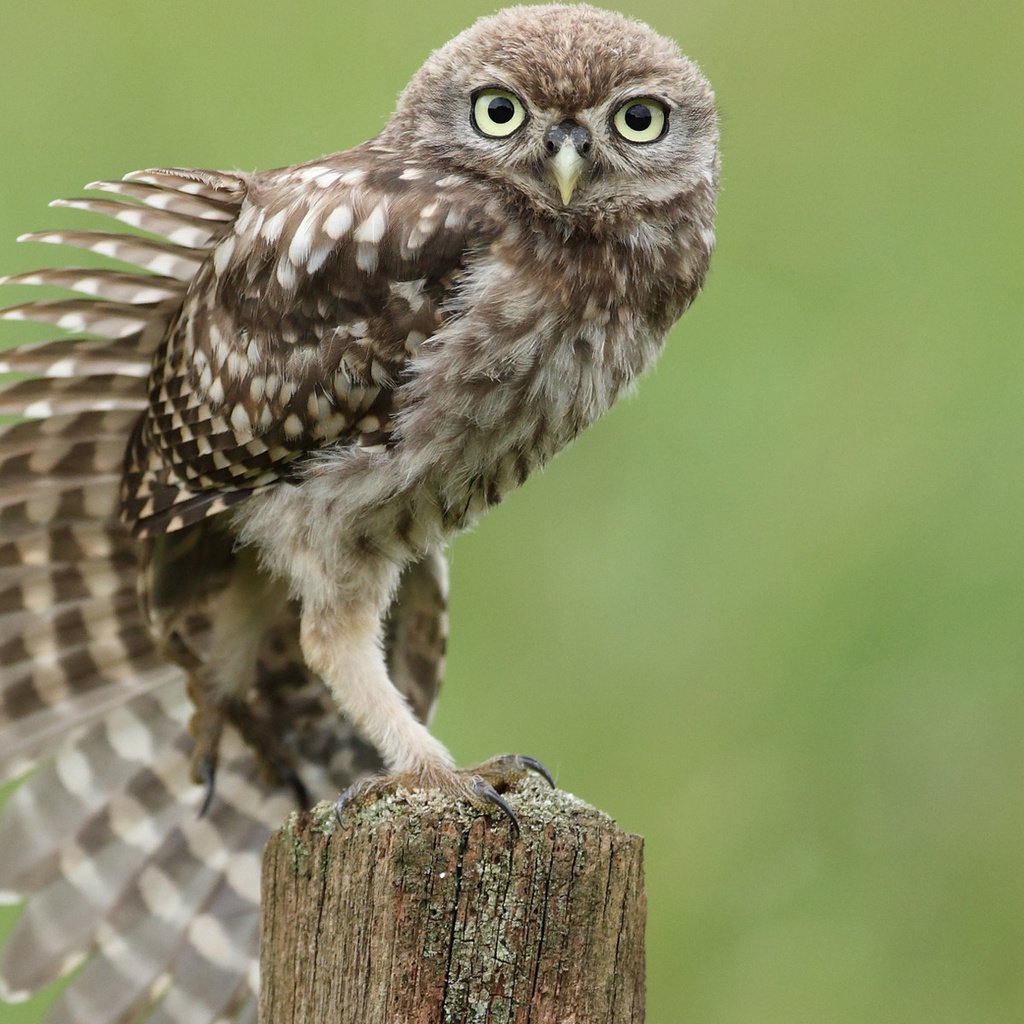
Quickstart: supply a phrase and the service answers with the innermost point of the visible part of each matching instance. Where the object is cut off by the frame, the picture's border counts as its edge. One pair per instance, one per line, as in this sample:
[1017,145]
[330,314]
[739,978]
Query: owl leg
[212,606]
[344,648]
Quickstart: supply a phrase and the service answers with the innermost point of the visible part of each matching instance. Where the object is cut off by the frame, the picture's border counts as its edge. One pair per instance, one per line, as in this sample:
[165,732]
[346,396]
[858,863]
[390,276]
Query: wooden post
[418,911]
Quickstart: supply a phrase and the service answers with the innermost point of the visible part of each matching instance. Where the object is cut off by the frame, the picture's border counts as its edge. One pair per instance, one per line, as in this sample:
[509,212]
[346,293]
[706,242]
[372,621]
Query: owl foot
[207,728]
[481,786]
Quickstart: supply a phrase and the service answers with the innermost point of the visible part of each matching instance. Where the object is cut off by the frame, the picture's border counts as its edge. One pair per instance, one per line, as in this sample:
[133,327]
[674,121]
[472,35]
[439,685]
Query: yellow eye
[640,120]
[497,113]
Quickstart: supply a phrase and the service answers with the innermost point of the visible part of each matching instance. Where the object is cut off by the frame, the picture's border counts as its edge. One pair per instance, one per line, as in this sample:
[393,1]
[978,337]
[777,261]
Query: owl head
[580,114]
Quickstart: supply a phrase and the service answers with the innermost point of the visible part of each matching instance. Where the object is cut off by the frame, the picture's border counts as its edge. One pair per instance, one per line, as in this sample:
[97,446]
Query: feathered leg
[343,644]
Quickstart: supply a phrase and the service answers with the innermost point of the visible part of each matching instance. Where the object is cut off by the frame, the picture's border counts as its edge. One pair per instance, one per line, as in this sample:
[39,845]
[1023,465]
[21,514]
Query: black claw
[536,766]
[487,792]
[208,769]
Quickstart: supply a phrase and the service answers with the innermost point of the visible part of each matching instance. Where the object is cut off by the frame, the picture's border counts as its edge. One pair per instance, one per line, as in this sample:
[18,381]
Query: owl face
[579,113]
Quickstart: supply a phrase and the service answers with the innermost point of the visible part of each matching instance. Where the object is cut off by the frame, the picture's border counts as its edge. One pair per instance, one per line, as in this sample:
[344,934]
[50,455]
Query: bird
[226,500]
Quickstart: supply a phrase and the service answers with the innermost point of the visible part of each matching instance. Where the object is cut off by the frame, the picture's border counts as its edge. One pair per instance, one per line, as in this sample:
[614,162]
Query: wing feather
[177,227]
[77,358]
[297,334]
[114,285]
[160,197]
[162,258]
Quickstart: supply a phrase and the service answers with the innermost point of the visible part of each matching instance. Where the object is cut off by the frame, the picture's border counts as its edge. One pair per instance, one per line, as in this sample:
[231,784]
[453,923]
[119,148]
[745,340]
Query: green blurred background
[767,613]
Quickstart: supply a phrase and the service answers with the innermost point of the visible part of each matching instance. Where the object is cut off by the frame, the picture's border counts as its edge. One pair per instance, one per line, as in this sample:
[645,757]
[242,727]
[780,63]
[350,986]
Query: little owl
[226,502]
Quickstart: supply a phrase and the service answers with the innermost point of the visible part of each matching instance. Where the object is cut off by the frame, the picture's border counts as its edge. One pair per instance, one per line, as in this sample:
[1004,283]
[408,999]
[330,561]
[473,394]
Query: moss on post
[420,912]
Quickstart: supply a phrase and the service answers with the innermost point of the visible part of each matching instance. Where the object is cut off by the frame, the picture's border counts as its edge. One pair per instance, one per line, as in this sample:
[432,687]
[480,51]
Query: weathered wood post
[418,912]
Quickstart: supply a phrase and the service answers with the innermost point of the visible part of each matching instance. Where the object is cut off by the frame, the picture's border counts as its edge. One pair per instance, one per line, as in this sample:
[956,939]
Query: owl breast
[531,356]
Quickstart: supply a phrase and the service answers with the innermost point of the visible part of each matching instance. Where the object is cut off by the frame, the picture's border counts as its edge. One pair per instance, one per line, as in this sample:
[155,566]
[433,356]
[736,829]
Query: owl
[225,505]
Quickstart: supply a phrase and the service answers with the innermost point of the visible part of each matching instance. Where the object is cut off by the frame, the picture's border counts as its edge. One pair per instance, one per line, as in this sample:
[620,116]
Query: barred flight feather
[128,753]
[93,424]
[177,227]
[77,358]
[62,545]
[42,398]
[162,258]
[20,625]
[86,503]
[161,197]
[114,285]
[63,460]
[95,316]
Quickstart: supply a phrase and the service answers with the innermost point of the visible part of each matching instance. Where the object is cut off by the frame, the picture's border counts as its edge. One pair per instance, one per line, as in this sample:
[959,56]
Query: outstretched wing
[296,334]
[73,641]
[158,906]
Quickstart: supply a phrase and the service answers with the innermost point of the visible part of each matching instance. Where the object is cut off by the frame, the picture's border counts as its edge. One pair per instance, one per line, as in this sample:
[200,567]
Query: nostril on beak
[568,131]
[554,138]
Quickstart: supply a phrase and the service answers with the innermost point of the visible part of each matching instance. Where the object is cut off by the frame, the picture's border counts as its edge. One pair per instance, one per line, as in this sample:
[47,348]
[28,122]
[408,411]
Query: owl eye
[641,120]
[497,113]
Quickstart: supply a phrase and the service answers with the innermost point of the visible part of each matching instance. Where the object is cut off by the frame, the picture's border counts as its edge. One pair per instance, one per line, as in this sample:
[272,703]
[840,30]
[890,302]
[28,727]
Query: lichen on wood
[421,911]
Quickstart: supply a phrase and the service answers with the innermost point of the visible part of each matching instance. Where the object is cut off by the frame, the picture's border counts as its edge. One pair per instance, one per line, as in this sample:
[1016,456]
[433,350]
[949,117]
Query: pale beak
[566,167]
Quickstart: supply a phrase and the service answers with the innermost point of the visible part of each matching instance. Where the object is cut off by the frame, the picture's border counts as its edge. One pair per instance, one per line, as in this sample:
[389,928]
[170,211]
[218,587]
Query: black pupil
[501,110]
[638,118]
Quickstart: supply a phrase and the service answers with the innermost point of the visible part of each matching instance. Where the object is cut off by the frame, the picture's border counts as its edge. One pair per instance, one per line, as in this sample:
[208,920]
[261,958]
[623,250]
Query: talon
[485,791]
[508,768]
[207,769]
[538,767]
[482,786]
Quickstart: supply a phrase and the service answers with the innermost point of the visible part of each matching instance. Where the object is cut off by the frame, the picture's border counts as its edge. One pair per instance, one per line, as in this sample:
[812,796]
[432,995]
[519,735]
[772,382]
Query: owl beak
[568,145]
[566,167]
